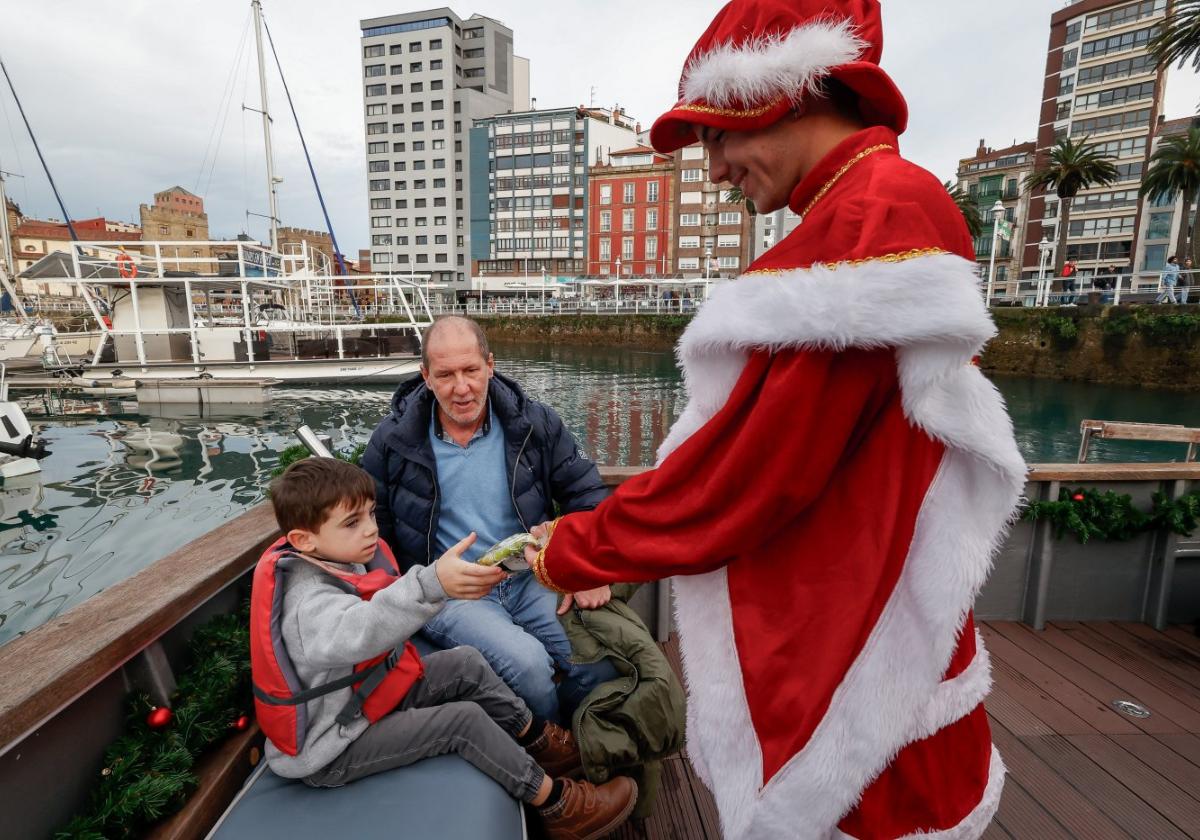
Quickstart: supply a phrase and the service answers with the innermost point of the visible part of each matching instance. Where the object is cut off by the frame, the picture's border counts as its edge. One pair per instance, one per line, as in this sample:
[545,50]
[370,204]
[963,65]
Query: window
[378,166]
[1160,226]
[605,249]
[689,219]
[418,145]
[438,125]
[1119,43]
[605,221]
[375,70]
[1070,58]
[418,126]
[627,248]
[727,262]
[690,176]
[414,47]
[381,221]
[381,239]
[629,193]
[651,220]
[477,52]
[435,44]
[162,229]
[410,26]
[1063,112]
[376,90]
[1073,33]
[381,258]
[731,217]
[1105,201]
[689,242]
[414,67]
[419,184]
[1101,227]
[1114,96]
[651,248]
[398,147]
[439,183]
[376,110]
[652,191]
[377,148]
[1117,70]
[373,51]
[689,263]
[381,203]
[1111,123]
[606,193]
[439,221]
[437,144]
[416,87]
[378,185]
[400,185]
[437,105]
[1156,258]
[395,49]
[627,220]
[729,240]
[1124,15]
[1129,147]
[401,222]
[1066,84]
[436,84]
[691,197]
[436,64]
[396,69]
[418,107]
[439,163]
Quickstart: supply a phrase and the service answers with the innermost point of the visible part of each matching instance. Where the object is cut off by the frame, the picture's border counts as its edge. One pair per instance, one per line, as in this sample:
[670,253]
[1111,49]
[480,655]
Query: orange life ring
[126,266]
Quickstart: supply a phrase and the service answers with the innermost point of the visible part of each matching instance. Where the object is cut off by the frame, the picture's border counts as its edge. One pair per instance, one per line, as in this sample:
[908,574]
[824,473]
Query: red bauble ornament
[159,717]
[241,723]
[1078,497]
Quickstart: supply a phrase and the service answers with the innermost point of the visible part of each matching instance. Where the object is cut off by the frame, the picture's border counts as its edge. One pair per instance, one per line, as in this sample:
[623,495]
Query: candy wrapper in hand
[509,553]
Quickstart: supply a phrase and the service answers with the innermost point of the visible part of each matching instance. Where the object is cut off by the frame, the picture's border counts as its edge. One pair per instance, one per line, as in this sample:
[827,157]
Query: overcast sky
[128,97]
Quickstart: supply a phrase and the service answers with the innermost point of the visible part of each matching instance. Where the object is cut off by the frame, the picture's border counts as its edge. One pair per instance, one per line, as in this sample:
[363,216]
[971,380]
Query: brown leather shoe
[588,812]
[557,753]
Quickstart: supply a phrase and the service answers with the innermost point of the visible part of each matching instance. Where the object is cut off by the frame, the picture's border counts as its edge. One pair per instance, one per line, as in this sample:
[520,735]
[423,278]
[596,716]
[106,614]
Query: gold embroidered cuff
[539,562]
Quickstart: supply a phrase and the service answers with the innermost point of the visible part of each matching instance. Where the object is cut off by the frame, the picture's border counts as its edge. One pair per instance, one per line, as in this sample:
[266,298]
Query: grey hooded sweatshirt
[327,631]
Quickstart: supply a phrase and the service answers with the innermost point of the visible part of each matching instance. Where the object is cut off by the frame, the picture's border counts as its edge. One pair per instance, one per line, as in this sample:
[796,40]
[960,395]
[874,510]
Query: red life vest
[280,700]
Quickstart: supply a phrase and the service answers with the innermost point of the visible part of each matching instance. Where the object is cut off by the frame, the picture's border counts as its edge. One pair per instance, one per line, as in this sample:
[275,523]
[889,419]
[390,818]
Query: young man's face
[348,535]
[765,164]
[458,375]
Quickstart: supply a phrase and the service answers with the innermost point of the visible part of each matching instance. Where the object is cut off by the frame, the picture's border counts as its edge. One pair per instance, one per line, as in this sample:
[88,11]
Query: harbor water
[123,488]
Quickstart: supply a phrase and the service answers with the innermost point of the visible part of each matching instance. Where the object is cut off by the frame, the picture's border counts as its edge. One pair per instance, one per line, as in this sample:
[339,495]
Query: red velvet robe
[829,502]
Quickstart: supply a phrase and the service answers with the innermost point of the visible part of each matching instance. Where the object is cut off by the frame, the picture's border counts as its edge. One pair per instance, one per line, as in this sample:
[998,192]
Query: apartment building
[426,77]
[529,187]
[998,175]
[630,210]
[1101,84]
[712,234]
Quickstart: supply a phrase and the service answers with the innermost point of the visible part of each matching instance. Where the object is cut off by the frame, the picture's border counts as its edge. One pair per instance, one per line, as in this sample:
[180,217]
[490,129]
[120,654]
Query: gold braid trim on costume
[837,175]
[539,562]
[903,256]
[745,113]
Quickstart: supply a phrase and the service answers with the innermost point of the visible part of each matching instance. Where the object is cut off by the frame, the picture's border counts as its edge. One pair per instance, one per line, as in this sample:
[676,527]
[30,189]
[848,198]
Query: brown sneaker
[557,753]
[588,812]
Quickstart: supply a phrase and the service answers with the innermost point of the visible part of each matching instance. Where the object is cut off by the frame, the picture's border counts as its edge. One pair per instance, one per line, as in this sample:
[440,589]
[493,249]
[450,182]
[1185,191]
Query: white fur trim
[973,824]
[928,309]
[770,66]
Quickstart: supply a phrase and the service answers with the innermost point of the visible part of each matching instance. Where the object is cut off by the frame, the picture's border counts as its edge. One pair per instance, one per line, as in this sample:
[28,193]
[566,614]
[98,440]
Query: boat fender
[280,701]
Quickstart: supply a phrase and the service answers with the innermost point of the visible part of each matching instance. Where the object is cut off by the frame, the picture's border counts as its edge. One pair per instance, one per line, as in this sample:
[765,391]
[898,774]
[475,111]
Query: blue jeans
[517,631]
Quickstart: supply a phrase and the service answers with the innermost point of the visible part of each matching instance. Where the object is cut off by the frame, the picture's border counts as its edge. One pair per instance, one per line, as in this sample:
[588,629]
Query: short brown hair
[305,495]
[468,324]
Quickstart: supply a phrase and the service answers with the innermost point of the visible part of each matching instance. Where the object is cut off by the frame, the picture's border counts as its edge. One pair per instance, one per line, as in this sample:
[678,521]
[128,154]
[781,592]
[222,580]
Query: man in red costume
[830,500]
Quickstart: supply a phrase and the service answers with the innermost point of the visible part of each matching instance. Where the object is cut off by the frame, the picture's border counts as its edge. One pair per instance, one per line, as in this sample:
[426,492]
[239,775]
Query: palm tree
[736,196]
[1072,166]
[1175,168]
[969,208]
[1179,38]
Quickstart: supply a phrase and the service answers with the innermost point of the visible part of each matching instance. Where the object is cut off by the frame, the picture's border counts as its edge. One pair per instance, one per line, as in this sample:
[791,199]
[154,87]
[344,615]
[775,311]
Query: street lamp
[997,215]
[617,285]
[1044,249]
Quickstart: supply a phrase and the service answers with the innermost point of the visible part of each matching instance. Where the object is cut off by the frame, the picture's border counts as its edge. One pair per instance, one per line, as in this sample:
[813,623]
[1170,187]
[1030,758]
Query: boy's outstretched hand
[460,579]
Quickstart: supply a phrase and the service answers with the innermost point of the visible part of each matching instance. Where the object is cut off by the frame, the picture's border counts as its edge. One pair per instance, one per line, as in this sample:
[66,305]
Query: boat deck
[1077,768]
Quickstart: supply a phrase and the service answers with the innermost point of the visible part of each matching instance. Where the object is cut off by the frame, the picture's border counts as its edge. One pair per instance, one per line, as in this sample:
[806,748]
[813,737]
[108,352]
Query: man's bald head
[452,328]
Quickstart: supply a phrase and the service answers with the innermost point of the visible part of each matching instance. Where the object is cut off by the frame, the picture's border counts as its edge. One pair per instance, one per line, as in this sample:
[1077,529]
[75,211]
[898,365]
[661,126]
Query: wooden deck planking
[1077,769]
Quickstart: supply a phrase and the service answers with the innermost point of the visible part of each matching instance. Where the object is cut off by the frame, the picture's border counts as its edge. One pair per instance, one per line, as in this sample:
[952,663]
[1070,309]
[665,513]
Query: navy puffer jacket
[544,464]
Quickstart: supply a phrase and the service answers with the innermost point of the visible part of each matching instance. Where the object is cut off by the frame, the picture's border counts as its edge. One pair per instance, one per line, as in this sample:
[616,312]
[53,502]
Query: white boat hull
[18,348]
[389,369]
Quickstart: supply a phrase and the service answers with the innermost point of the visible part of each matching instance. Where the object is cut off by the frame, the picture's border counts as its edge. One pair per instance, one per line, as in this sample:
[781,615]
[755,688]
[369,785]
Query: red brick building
[630,211]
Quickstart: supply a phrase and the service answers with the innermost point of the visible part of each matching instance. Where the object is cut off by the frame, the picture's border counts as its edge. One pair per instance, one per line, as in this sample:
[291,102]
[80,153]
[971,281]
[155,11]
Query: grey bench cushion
[442,798]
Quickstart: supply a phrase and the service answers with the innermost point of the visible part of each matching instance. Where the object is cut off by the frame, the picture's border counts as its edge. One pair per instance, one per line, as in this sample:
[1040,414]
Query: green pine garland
[1089,514]
[299,452]
[148,773]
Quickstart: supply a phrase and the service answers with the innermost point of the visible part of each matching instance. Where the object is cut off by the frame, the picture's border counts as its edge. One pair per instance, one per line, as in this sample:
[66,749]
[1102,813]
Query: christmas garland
[1089,514]
[147,772]
[298,452]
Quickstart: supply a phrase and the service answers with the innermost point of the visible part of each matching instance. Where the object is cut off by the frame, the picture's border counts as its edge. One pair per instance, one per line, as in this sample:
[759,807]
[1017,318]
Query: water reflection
[124,488]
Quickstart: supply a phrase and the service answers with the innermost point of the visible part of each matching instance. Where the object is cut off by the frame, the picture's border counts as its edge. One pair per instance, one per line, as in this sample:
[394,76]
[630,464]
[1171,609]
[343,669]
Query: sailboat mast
[5,234]
[266,117]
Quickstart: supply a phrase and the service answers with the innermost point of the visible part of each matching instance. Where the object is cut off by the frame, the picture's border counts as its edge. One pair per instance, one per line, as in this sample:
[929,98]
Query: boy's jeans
[1168,292]
[517,631]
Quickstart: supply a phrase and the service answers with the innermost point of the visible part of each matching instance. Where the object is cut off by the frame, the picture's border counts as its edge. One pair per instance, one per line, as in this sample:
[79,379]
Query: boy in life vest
[340,691]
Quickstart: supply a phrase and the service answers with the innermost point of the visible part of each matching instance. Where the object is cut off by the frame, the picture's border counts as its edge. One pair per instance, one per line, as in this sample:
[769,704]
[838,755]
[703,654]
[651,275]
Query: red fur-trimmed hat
[760,58]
